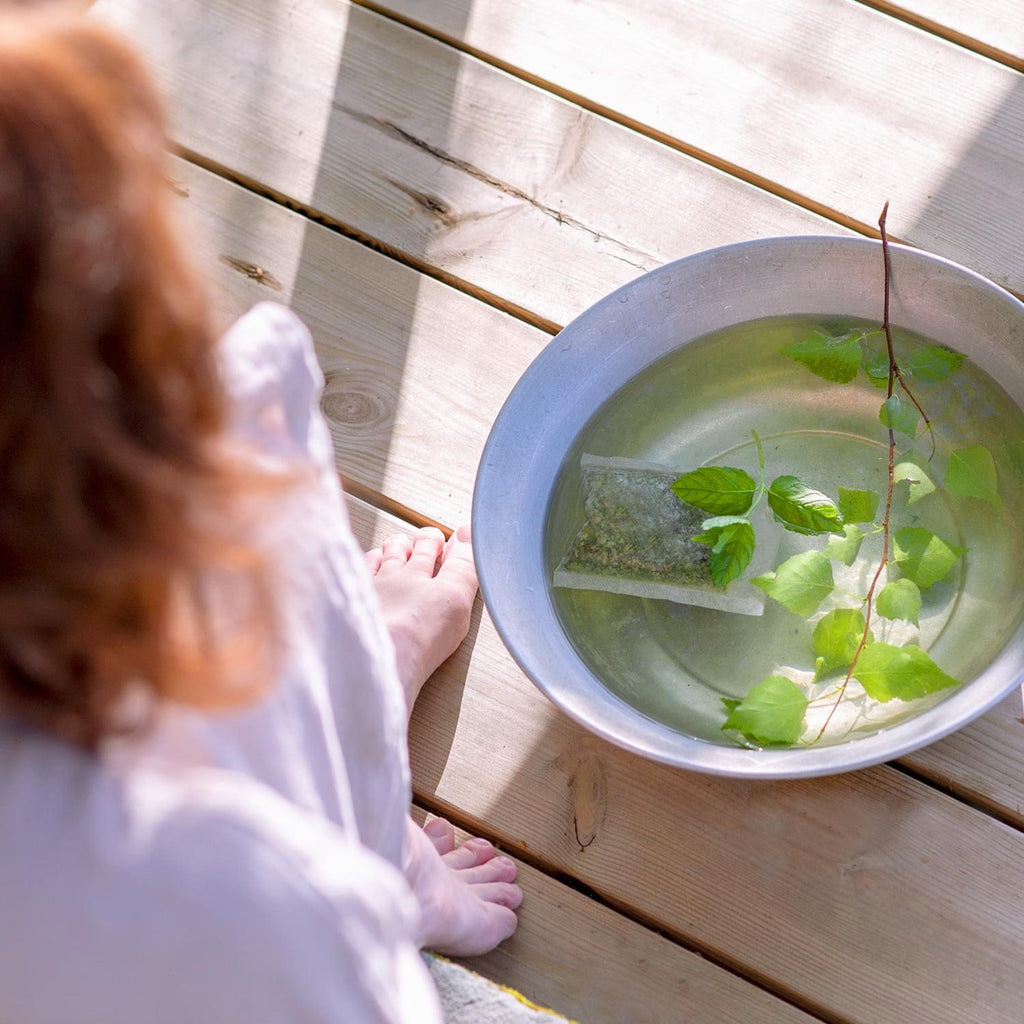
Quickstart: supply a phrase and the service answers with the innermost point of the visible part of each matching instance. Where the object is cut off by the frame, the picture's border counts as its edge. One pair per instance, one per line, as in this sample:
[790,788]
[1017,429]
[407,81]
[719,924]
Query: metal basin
[589,363]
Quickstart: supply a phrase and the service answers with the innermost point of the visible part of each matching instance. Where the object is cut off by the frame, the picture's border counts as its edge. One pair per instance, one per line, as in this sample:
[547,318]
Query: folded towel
[470,998]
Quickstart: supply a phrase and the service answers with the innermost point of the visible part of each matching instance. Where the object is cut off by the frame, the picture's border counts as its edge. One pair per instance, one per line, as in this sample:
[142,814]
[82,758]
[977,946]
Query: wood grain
[829,99]
[436,154]
[994,27]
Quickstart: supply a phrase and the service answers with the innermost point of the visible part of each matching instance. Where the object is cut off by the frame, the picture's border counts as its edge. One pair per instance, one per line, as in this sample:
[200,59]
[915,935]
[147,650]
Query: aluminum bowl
[603,348]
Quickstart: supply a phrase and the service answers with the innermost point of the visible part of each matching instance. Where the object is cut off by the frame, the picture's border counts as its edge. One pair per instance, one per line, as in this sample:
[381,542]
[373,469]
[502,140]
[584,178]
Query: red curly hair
[117,562]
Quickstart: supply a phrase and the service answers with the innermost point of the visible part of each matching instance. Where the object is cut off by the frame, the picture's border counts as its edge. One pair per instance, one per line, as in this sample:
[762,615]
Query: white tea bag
[636,540]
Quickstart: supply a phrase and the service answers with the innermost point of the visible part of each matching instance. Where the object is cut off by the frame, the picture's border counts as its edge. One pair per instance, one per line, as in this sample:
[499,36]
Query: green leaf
[845,550]
[732,547]
[720,490]
[876,366]
[833,357]
[898,415]
[772,712]
[857,506]
[907,673]
[899,599]
[802,509]
[931,363]
[836,638]
[800,584]
[972,474]
[924,557]
[920,483]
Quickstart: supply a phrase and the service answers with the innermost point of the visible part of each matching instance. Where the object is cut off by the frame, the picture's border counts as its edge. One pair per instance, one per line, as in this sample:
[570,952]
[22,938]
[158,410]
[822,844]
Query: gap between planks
[951,35]
[399,256]
[703,156]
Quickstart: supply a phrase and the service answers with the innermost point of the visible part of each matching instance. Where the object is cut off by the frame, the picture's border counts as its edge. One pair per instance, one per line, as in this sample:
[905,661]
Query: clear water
[698,406]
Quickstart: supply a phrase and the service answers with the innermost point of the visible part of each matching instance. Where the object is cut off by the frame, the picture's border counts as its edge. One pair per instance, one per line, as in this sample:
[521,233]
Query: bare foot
[467,894]
[426,589]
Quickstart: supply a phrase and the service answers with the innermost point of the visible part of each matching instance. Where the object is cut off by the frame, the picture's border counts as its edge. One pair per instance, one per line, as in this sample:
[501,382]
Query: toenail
[436,827]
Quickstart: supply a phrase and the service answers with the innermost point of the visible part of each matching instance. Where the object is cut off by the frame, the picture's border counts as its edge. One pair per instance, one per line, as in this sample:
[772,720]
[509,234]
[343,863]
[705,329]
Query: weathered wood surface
[459,166]
[830,100]
[997,25]
[832,893]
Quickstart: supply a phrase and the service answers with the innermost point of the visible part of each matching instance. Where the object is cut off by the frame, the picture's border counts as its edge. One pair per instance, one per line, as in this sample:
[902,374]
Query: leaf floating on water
[906,673]
[923,557]
[772,712]
[801,583]
[972,474]
[847,548]
[898,415]
[720,490]
[831,357]
[899,599]
[876,366]
[857,506]
[932,363]
[732,547]
[802,509]
[836,638]
[919,481]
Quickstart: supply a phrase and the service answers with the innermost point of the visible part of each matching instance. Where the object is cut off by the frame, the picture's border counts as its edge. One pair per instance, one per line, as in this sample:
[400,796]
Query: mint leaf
[898,415]
[907,673]
[857,506]
[800,584]
[899,599]
[836,638]
[972,474]
[845,550]
[772,712]
[802,509]
[931,363]
[920,483]
[732,547]
[924,557]
[720,490]
[832,357]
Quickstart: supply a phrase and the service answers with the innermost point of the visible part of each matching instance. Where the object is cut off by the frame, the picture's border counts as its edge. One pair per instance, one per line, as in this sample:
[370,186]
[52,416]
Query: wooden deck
[436,186]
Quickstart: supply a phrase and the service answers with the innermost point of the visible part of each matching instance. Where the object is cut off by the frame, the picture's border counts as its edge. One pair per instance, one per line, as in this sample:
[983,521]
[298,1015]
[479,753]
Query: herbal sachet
[636,540]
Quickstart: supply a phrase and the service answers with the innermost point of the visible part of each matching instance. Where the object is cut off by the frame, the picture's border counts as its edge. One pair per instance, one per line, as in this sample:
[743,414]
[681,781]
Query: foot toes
[427,545]
[395,553]
[373,559]
[497,869]
[457,559]
[471,853]
[441,834]
[502,894]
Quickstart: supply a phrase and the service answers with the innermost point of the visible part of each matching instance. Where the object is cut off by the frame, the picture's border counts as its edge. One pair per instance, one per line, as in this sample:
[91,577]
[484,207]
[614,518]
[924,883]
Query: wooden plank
[831,99]
[993,26]
[585,960]
[460,166]
[982,762]
[772,879]
[406,397]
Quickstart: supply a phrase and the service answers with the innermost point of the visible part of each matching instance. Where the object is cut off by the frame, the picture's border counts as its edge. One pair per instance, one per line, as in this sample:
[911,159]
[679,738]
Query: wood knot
[347,403]
[588,788]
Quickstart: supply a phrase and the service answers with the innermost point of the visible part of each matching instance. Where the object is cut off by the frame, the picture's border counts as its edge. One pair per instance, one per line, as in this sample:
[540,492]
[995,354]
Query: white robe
[240,867]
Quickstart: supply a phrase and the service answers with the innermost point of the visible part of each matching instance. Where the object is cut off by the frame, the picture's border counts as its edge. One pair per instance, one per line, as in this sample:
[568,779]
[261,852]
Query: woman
[203,692]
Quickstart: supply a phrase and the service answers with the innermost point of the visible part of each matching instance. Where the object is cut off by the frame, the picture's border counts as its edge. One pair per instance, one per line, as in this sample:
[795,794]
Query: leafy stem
[894,376]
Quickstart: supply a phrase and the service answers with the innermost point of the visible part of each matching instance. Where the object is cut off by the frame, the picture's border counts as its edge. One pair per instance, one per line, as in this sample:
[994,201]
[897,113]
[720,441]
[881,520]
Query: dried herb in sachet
[636,540]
